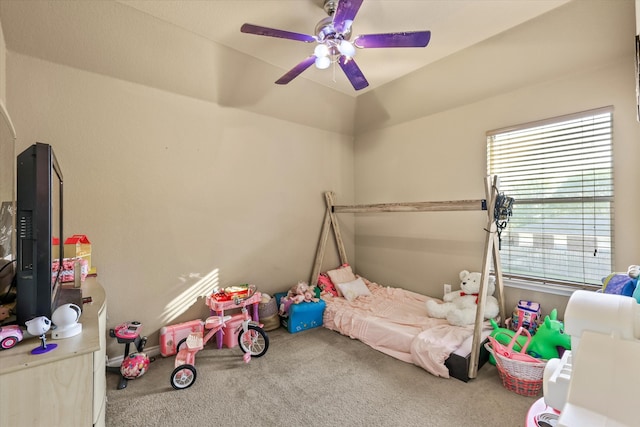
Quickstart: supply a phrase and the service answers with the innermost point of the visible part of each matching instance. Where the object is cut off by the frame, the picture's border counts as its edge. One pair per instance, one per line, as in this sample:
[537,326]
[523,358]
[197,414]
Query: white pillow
[341,275]
[354,289]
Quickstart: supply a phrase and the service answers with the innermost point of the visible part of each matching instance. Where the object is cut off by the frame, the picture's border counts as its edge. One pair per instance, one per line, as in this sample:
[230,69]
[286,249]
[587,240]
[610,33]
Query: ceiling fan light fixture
[347,49]
[323,62]
[321,50]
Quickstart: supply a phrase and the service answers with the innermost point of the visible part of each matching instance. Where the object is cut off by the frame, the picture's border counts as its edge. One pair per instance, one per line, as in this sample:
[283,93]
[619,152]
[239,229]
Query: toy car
[10,335]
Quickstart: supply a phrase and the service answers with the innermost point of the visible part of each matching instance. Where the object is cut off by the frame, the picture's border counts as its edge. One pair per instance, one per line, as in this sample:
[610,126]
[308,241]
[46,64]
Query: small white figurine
[39,326]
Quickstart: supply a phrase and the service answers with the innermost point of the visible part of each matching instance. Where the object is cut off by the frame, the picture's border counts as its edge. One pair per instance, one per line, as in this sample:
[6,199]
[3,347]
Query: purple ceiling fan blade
[345,13]
[404,39]
[296,71]
[351,69]
[272,32]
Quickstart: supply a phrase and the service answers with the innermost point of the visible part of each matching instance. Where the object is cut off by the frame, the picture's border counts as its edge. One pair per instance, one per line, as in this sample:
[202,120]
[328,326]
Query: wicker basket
[267,309]
[524,378]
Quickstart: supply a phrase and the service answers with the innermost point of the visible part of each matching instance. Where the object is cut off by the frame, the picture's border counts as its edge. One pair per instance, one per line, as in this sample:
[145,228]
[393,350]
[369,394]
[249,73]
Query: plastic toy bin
[302,316]
[231,331]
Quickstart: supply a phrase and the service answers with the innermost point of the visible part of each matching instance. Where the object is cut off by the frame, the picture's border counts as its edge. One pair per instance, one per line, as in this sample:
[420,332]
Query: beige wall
[178,194]
[3,67]
[442,157]
[7,154]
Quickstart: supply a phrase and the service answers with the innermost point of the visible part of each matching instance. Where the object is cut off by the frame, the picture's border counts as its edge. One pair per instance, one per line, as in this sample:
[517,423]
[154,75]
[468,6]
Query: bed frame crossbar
[491,252]
[454,205]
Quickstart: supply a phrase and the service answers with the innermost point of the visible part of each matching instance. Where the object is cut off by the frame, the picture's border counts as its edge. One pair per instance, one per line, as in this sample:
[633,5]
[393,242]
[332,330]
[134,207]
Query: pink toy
[134,366]
[171,335]
[128,330]
[252,340]
[508,351]
[218,306]
[10,335]
[285,303]
[300,292]
[310,296]
[326,285]
[296,293]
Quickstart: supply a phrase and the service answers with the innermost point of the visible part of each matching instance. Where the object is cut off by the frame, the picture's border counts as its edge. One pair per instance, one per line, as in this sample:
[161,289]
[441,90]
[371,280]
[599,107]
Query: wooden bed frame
[460,367]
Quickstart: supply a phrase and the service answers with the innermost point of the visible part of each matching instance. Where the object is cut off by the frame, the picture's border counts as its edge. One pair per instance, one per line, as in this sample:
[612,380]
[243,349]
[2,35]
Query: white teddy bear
[459,307]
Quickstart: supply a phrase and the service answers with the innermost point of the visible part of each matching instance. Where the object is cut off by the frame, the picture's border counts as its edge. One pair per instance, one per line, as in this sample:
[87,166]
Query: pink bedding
[394,321]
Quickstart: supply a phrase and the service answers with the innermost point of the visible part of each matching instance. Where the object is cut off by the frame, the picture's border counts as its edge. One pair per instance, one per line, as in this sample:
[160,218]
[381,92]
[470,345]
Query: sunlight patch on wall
[202,287]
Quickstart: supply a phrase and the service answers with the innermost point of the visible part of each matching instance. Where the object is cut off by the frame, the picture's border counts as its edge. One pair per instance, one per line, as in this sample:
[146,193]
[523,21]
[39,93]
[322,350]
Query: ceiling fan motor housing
[326,31]
[330,6]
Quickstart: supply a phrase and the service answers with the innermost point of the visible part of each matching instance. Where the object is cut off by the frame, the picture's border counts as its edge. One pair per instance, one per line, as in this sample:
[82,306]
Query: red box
[171,335]
[79,246]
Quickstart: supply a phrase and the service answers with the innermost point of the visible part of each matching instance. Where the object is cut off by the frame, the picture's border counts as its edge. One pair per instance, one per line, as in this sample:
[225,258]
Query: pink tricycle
[252,340]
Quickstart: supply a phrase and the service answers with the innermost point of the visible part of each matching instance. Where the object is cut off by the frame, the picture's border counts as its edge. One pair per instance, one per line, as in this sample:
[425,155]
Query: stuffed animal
[326,286]
[549,341]
[459,307]
[623,284]
[310,295]
[285,303]
[300,292]
[296,293]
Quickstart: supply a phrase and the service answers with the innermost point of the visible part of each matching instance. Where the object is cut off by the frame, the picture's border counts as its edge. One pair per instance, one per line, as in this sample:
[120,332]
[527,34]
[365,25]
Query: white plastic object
[194,341]
[38,326]
[595,383]
[556,380]
[66,319]
[604,313]
[604,383]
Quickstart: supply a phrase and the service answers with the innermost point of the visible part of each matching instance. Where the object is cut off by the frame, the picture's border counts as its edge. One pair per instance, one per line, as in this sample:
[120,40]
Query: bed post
[492,186]
[329,220]
[329,198]
[490,251]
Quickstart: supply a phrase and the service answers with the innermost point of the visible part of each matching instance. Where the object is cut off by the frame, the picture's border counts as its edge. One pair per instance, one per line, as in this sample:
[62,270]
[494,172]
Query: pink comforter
[394,321]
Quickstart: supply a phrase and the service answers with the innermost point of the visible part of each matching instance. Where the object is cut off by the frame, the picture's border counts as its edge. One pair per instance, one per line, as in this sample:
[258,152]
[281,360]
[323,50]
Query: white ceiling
[454,25]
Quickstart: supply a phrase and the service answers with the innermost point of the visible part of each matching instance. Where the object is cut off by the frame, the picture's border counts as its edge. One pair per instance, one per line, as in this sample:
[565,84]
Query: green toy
[545,344]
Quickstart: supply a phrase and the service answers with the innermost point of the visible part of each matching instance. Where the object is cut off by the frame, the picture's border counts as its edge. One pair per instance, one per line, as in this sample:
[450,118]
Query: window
[560,173]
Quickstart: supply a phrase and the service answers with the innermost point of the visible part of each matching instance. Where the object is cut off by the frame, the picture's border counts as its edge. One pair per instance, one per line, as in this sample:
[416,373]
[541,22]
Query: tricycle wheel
[183,376]
[253,341]
[181,343]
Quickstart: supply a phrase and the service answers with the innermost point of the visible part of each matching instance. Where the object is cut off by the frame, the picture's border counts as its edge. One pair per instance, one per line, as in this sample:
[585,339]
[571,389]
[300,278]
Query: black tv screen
[39,238]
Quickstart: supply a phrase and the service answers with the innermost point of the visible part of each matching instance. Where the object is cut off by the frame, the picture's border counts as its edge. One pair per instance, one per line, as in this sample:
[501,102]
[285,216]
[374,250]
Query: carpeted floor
[313,378]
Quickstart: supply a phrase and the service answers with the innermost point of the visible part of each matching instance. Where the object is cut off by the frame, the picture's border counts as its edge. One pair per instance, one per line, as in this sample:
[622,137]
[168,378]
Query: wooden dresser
[66,386]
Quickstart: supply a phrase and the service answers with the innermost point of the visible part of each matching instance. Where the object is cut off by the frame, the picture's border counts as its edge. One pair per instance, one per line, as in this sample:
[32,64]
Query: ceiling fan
[332,36]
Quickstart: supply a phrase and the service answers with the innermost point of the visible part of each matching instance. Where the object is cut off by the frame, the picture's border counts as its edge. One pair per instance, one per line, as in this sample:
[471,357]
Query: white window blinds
[560,173]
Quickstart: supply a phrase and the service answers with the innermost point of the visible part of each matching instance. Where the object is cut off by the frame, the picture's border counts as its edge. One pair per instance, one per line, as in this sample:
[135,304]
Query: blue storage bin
[302,316]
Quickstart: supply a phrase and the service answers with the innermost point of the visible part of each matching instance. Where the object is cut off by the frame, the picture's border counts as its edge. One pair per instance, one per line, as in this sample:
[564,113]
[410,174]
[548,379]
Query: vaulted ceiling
[454,25]
[478,48]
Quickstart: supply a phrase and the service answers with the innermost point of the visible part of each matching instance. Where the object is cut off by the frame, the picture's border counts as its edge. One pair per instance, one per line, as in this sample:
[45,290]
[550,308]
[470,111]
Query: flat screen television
[39,238]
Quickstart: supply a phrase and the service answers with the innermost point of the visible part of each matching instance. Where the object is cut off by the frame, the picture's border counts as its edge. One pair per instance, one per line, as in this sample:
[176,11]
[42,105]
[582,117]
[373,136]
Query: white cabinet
[66,386]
